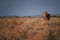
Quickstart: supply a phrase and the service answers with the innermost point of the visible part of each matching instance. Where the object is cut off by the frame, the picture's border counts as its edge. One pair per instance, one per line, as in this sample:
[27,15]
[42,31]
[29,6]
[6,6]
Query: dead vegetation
[29,29]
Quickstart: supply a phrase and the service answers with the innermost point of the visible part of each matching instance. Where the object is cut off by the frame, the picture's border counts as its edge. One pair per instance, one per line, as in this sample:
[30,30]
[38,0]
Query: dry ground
[29,29]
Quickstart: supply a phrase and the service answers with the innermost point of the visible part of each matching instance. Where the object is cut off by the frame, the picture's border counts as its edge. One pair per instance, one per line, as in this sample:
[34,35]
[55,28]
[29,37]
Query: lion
[46,15]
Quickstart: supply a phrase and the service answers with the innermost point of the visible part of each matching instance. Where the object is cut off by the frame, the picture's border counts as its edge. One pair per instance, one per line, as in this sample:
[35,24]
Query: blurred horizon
[29,7]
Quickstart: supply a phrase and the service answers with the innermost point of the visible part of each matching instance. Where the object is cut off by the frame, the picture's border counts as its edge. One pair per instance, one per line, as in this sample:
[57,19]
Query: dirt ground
[29,29]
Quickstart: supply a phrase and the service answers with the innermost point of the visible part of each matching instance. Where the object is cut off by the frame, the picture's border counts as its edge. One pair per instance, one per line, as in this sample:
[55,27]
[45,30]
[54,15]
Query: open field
[29,29]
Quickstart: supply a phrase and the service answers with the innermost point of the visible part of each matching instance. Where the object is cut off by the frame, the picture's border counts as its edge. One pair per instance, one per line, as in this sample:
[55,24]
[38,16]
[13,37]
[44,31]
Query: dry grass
[29,29]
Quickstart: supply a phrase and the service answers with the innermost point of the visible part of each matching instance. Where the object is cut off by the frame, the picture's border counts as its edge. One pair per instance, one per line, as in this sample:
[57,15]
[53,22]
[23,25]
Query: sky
[29,7]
